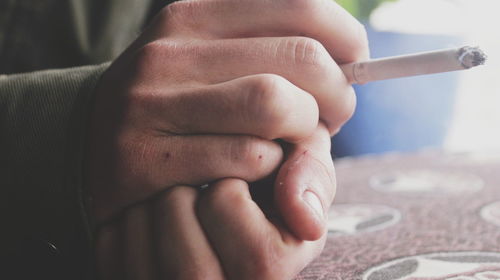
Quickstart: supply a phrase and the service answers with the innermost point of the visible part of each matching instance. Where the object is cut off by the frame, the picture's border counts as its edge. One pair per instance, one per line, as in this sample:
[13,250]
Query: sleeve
[42,125]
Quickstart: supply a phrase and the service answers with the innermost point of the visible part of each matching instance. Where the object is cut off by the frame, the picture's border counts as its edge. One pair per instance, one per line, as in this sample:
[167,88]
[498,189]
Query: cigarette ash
[471,57]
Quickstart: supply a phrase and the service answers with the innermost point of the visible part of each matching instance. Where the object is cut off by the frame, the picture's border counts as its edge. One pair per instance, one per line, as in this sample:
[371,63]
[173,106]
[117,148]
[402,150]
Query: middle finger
[323,20]
[301,60]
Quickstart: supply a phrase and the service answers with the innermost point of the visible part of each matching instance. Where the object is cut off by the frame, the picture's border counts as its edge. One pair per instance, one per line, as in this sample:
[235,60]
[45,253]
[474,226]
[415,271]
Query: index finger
[324,20]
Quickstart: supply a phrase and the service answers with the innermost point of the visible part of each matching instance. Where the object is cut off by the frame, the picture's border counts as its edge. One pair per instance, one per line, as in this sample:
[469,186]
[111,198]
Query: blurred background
[457,112]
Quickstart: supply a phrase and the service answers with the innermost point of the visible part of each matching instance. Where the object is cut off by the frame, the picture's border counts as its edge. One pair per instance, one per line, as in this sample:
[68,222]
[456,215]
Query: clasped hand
[201,97]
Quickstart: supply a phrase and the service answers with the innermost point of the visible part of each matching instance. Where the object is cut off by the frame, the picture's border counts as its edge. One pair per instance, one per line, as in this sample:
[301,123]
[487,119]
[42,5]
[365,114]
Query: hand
[173,109]
[217,233]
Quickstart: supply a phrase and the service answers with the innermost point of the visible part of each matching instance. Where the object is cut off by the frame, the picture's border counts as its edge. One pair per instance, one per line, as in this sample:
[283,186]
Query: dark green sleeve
[42,124]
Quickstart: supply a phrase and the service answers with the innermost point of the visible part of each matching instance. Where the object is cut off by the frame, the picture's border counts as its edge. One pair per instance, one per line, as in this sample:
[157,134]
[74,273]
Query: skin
[200,97]
[219,232]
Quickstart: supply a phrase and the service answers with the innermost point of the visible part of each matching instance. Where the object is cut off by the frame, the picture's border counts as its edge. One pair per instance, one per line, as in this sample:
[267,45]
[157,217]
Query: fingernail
[314,203]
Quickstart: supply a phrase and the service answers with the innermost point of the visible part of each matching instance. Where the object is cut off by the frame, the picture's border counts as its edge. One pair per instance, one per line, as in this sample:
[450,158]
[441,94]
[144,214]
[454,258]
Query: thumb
[305,186]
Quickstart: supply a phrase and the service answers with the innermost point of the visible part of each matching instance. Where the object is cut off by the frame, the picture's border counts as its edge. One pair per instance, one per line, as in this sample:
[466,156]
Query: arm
[42,116]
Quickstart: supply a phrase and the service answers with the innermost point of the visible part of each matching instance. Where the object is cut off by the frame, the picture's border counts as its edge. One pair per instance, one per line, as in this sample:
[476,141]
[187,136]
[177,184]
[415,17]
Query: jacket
[52,53]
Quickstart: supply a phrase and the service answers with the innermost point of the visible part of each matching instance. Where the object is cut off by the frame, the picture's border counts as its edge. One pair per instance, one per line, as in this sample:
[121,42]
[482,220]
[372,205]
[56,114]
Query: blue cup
[404,114]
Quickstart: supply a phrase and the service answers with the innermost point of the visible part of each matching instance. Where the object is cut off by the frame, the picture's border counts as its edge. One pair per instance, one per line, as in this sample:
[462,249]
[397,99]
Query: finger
[302,61]
[191,160]
[265,105]
[182,249]
[249,246]
[137,244]
[198,159]
[108,253]
[305,186]
[324,20]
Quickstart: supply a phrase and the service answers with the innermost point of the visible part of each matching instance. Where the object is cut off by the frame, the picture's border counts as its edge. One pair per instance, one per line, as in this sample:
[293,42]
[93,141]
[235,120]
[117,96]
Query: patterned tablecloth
[421,216]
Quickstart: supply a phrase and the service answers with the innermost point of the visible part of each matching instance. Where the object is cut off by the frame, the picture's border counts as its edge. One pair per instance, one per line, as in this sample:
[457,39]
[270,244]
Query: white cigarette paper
[413,65]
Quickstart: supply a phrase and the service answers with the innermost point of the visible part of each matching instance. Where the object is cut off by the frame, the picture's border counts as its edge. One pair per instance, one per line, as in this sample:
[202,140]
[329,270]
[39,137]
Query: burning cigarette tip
[471,57]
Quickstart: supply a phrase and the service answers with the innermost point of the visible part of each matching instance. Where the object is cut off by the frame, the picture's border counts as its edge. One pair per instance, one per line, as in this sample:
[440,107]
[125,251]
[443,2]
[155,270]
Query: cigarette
[414,64]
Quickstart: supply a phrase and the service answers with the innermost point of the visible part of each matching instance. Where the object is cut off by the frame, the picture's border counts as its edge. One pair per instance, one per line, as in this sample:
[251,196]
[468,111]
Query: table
[429,215]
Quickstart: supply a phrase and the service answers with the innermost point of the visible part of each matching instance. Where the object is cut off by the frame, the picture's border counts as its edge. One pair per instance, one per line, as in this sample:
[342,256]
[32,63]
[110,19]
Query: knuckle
[181,14]
[140,101]
[344,111]
[147,56]
[265,88]
[175,11]
[149,60]
[266,83]
[309,52]
[265,102]
[176,196]
[349,106]
[220,194]
[156,50]
[309,103]
[308,127]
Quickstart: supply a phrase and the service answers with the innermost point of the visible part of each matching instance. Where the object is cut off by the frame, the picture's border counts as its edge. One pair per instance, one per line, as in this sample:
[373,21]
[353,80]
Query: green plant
[361,8]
